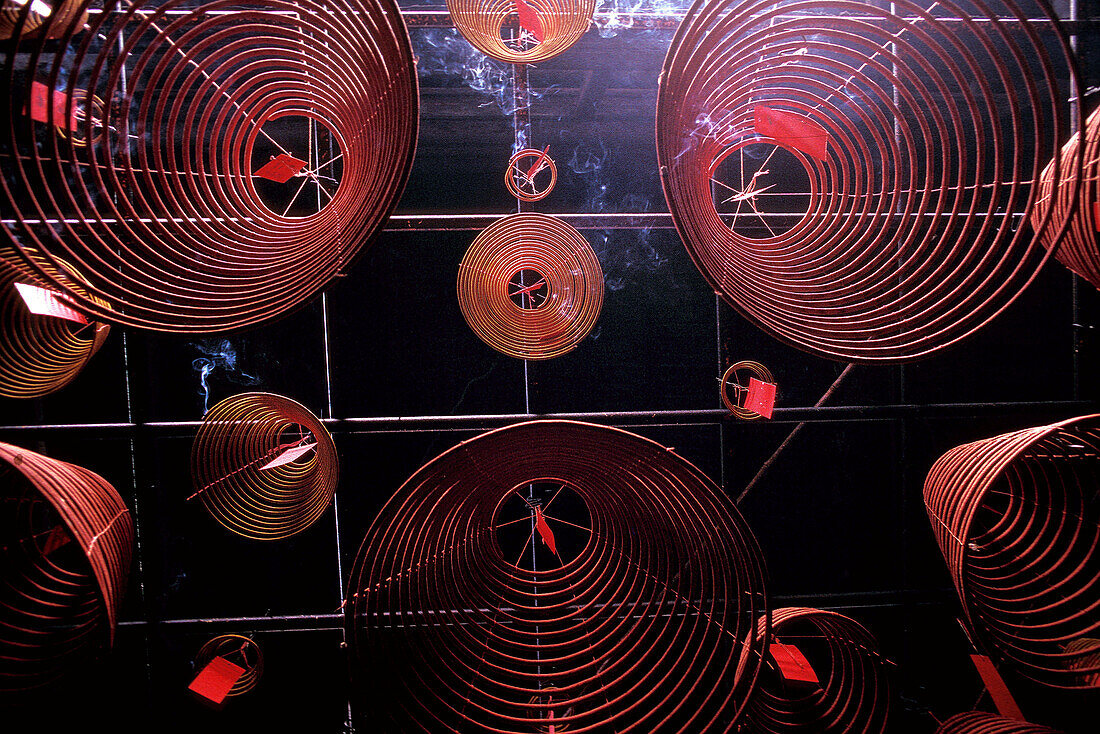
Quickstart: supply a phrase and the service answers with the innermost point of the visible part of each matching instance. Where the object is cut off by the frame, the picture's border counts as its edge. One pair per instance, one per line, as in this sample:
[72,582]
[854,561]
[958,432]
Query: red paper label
[47,303]
[998,691]
[793,665]
[216,679]
[529,19]
[545,532]
[288,456]
[58,537]
[281,168]
[40,107]
[537,166]
[792,131]
[761,397]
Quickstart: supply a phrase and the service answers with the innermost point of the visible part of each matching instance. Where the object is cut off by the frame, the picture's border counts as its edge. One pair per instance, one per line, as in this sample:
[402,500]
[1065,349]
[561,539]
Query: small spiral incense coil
[1080,249]
[64,12]
[237,649]
[263,466]
[735,380]
[40,354]
[853,693]
[521,176]
[66,540]
[522,31]
[530,286]
[979,722]
[161,200]
[917,131]
[556,576]
[1017,519]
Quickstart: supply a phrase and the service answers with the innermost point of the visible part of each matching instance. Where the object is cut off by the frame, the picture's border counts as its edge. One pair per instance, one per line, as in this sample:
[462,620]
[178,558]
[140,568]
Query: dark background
[839,515]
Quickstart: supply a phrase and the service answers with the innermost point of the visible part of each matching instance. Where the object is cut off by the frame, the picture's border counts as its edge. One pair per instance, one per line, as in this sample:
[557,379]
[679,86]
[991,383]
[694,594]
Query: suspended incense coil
[66,539]
[853,693]
[915,134]
[530,286]
[979,722]
[40,354]
[522,31]
[735,389]
[153,190]
[239,650]
[1017,519]
[263,466]
[557,575]
[522,175]
[1079,250]
[32,14]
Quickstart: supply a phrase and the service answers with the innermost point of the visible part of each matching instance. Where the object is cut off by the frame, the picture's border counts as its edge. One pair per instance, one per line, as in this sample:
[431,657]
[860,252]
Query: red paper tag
[998,691]
[1096,215]
[529,19]
[545,532]
[288,456]
[47,303]
[537,165]
[792,130]
[793,665]
[280,168]
[40,107]
[216,680]
[58,537]
[761,397]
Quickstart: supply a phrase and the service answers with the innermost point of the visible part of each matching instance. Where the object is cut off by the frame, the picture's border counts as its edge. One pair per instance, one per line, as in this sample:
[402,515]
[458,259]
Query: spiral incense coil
[979,722]
[735,381]
[522,31]
[530,286]
[556,576]
[853,693]
[156,188]
[1079,250]
[64,12]
[917,134]
[263,466]
[1017,519]
[40,354]
[66,540]
[522,175]
[239,650]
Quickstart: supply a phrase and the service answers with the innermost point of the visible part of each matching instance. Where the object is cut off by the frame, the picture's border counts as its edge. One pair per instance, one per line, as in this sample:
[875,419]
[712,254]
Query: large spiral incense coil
[530,286]
[853,693]
[556,576]
[66,539]
[239,650]
[40,354]
[1080,249]
[914,136]
[522,31]
[263,466]
[168,212]
[979,722]
[1018,521]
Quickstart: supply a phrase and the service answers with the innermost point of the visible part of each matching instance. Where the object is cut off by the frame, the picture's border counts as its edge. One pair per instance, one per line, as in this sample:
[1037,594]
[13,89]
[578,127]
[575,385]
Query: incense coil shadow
[918,170]
[41,354]
[1079,250]
[263,466]
[145,177]
[66,541]
[853,694]
[979,722]
[647,622]
[530,286]
[522,31]
[1017,520]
